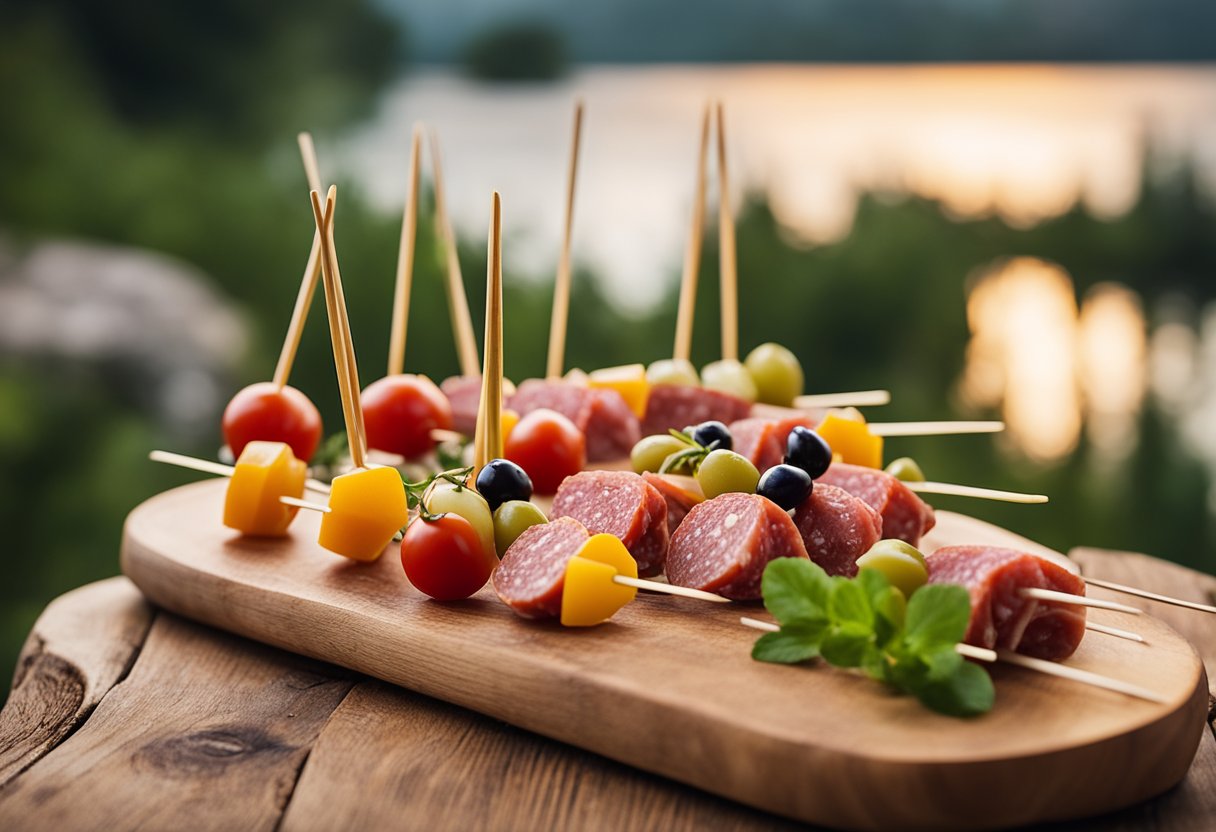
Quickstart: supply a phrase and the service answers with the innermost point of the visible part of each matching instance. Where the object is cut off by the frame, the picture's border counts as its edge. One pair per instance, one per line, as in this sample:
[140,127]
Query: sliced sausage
[905,516]
[837,528]
[622,504]
[532,574]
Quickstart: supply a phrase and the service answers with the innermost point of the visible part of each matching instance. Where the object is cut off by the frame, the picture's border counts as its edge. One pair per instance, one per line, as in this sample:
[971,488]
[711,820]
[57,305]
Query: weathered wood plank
[82,644]
[207,732]
[421,763]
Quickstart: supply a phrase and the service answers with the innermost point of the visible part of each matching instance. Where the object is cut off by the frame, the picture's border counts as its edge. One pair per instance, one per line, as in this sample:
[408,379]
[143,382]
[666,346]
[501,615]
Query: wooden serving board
[669,686]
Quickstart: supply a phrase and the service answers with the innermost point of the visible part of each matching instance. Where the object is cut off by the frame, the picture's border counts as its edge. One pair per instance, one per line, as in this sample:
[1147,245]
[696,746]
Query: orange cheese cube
[628,380]
[851,440]
[366,508]
[590,596]
[265,472]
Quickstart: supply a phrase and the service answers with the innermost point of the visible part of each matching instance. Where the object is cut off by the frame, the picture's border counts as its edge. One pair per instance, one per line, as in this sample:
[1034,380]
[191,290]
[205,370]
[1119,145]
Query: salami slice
[532,574]
[724,544]
[674,406]
[1000,616]
[622,504]
[905,516]
[680,492]
[837,528]
[763,440]
[610,427]
[464,394]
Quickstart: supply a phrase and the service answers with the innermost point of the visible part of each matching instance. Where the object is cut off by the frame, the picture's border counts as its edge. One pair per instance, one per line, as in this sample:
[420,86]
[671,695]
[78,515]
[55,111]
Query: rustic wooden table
[123,717]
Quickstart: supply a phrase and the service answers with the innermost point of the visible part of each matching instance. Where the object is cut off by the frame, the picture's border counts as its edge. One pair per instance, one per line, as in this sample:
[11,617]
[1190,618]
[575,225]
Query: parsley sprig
[689,459]
[865,623]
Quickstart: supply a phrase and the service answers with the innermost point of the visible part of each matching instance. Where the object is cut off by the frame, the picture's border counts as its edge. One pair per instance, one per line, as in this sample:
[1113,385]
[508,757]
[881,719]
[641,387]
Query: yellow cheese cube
[628,380]
[590,596]
[265,472]
[366,508]
[851,440]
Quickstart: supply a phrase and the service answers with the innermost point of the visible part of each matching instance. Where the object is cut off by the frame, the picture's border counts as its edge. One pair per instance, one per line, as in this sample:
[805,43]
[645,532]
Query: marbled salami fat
[1000,616]
[763,440]
[610,427]
[724,544]
[532,574]
[622,504]
[837,528]
[681,494]
[905,516]
[674,406]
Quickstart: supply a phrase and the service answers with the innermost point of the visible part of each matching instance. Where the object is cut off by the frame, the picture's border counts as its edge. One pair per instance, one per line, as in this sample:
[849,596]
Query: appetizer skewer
[561,288]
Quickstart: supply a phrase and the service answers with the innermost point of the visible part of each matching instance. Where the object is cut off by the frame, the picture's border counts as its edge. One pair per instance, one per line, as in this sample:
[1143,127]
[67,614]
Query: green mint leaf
[890,609]
[796,642]
[968,691]
[849,604]
[795,589]
[876,665]
[941,663]
[873,582]
[937,615]
[847,644]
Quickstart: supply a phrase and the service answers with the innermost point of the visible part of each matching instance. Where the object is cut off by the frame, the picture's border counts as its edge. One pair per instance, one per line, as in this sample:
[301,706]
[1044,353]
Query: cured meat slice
[680,492]
[622,504]
[763,440]
[532,574]
[837,528]
[674,406]
[464,394]
[610,427]
[1000,616]
[724,544]
[905,516]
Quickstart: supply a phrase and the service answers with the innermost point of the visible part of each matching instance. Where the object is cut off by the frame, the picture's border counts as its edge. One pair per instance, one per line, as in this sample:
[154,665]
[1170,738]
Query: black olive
[502,481]
[785,485]
[806,449]
[706,433]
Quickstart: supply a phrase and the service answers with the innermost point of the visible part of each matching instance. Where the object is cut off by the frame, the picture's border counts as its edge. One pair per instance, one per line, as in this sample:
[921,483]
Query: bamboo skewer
[487,444]
[312,274]
[953,490]
[1115,631]
[405,261]
[862,398]
[670,589]
[1062,671]
[339,329]
[946,428]
[1075,600]
[561,288]
[206,466]
[292,501]
[728,265]
[682,350]
[458,303]
[1152,596]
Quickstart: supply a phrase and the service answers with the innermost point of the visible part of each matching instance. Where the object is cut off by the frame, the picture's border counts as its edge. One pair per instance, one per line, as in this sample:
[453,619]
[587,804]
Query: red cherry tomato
[444,557]
[265,411]
[400,412]
[548,447]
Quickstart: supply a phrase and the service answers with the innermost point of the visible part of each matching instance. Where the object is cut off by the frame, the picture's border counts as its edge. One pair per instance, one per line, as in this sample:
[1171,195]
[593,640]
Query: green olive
[906,469]
[729,376]
[672,371]
[901,564]
[511,519]
[444,497]
[777,374]
[724,471]
[649,454]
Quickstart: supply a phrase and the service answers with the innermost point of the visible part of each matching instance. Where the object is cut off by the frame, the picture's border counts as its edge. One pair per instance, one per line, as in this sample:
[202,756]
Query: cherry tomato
[264,411]
[400,412]
[444,558]
[548,447]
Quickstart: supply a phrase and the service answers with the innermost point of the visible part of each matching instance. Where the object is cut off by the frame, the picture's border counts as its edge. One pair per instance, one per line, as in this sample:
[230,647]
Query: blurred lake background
[991,208]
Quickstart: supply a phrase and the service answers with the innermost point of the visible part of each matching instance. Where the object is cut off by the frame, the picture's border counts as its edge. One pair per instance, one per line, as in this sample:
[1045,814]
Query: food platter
[668,686]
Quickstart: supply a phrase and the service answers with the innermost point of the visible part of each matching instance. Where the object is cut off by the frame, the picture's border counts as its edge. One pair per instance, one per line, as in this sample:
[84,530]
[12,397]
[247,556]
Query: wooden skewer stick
[1075,600]
[1063,671]
[952,490]
[1115,631]
[561,289]
[405,261]
[339,329]
[728,266]
[670,589]
[682,350]
[1152,596]
[218,468]
[862,398]
[292,501]
[946,428]
[458,302]
[487,444]
[312,274]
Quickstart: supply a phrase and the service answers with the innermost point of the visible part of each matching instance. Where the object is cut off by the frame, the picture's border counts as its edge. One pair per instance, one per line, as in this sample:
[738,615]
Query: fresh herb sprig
[456,476]
[865,623]
[689,459]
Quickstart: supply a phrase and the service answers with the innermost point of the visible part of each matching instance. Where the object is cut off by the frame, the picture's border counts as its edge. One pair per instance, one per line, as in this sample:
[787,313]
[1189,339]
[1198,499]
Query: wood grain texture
[81,645]
[669,686]
[207,732]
